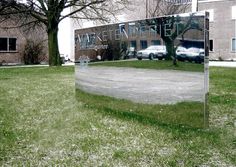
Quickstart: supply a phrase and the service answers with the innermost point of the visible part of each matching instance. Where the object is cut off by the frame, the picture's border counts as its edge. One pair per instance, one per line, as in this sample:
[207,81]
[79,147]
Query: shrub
[33,49]
[115,51]
[220,58]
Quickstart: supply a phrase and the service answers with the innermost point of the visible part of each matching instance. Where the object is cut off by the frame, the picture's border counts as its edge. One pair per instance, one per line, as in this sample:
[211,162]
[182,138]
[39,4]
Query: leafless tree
[166,7]
[50,13]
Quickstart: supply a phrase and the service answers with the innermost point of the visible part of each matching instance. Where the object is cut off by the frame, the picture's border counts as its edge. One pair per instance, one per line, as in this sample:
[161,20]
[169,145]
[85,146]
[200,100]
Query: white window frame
[233,11]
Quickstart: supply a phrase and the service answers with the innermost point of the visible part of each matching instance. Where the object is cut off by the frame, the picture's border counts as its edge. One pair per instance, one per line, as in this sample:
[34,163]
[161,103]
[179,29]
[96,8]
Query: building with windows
[222,27]
[15,39]
[222,24]
[13,42]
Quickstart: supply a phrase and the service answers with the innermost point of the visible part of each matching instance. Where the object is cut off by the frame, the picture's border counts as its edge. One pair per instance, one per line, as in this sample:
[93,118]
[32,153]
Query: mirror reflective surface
[155,69]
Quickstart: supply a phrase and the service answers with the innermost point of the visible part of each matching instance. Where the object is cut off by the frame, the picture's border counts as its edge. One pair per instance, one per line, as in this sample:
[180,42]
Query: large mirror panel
[154,69]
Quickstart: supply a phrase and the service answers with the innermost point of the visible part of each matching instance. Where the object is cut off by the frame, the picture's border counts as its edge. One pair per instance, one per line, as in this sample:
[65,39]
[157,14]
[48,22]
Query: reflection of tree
[154,8]
[166,7]
[170,27]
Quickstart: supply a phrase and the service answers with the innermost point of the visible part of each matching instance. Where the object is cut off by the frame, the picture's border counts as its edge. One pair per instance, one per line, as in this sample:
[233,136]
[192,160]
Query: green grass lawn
[189,114]
[42,123]
[154,64]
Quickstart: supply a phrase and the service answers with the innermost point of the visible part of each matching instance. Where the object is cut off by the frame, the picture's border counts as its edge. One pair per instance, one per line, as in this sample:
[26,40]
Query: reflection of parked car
[155,51]
[190,54]
[131,53]
[195,54]
[181,53]
[64,59]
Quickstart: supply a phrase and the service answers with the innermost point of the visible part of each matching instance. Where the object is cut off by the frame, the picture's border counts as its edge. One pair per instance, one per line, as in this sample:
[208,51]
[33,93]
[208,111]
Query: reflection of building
[116,39]
[222,27]
[91,41]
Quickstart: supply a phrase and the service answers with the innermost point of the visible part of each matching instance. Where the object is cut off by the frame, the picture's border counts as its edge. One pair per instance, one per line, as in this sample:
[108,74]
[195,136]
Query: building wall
[12,56]
[21,35]
[222,28]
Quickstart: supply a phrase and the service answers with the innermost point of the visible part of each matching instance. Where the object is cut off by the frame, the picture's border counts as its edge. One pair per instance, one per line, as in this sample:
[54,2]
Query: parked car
[154,51]
[64,59]
[192,54]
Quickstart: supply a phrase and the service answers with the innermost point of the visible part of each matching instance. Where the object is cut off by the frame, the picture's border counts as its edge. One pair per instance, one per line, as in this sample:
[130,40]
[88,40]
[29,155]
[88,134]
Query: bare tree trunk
[175,61]
[171,51]
[54,56]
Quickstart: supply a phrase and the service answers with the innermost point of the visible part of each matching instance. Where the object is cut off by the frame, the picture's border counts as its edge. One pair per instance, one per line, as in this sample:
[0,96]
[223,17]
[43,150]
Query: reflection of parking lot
[142,85]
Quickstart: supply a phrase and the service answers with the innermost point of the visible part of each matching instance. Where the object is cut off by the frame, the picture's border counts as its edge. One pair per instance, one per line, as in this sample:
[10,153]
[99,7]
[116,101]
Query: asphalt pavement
[142,85]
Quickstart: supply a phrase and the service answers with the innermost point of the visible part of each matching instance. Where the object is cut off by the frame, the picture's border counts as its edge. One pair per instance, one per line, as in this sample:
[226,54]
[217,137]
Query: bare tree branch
[81,7]
[162,7]
[52,12]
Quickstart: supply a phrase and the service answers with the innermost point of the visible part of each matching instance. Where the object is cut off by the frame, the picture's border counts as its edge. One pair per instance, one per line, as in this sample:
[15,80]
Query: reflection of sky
[64,37]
